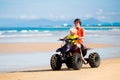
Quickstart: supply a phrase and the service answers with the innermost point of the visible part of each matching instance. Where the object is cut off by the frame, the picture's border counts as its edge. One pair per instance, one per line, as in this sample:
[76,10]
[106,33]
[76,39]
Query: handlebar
[68,39]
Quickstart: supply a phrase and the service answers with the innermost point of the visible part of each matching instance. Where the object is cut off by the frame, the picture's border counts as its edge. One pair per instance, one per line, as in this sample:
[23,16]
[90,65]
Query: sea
[51,33]
[22,61]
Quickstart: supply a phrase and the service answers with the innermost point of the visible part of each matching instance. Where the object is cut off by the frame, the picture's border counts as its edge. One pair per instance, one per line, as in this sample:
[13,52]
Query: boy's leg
[79,45]
[83,48]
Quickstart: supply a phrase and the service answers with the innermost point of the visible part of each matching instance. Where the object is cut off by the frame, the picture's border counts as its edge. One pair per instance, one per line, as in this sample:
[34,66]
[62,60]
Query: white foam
[24,31]
[46,31]
[25,35]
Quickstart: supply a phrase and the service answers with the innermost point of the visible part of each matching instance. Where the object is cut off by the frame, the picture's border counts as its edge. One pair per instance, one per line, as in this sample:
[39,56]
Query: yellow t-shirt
[73,37]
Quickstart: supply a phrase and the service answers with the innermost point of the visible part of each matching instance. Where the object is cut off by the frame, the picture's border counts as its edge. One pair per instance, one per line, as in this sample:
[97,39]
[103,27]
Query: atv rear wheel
[94,60]
[76,61]
[56,62]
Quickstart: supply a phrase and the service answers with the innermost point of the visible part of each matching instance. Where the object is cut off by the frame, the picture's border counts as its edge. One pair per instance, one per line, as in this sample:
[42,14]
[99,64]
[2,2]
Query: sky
[104,10]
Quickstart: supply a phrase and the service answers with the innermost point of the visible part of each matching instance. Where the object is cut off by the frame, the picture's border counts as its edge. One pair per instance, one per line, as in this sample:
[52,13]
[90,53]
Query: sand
[40,47]
[108,70]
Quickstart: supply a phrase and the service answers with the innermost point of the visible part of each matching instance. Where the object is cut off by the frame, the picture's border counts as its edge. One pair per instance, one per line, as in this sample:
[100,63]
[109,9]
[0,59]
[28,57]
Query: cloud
[102,12]
[28,17]
[113,13]
[62,17]
[55,17]
[107,15]
[86,16]
[101,17]
[99,11]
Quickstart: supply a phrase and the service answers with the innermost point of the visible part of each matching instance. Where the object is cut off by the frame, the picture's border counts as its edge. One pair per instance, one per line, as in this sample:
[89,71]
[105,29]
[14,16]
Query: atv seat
[87,48]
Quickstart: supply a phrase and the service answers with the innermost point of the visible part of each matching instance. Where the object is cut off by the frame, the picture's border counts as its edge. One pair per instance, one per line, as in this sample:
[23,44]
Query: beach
[109,68]
[26,56]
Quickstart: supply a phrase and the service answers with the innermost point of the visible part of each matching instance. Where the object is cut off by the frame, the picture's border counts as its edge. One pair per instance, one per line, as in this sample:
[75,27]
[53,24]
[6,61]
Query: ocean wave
[46,31]
[102,28]
[29,31]
[25,35]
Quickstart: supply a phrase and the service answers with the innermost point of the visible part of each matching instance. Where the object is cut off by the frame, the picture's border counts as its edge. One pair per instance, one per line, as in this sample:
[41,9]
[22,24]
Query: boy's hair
[73,30]
[78,20]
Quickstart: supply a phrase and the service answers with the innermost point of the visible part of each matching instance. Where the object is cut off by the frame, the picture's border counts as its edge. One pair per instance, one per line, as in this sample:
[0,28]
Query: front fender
[59,50]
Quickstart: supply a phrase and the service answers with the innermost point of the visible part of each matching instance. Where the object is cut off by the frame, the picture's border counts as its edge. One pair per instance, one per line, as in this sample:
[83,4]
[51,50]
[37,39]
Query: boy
[73,35]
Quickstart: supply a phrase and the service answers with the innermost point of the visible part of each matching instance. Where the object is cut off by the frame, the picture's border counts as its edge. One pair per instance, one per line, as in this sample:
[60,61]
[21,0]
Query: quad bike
[70,55]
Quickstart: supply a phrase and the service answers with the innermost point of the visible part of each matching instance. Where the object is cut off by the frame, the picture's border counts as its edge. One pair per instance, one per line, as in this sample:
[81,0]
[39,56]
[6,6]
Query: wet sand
[40,47]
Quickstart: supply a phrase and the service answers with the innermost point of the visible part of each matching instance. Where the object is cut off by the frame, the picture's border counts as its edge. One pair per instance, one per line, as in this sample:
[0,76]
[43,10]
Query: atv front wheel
[56,62]
[69,62]
[76,61]
[94,60]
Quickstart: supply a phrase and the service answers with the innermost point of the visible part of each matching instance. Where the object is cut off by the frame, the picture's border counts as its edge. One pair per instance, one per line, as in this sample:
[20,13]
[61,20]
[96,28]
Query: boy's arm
[81,37]
[83,34]
[63,38]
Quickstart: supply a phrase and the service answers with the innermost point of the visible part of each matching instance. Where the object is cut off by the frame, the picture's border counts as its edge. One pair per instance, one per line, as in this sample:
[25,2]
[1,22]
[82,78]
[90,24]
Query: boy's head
[73,31]
[76,21]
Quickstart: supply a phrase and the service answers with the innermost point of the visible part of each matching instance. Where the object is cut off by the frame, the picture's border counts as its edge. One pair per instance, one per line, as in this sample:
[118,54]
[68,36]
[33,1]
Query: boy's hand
[61,39]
